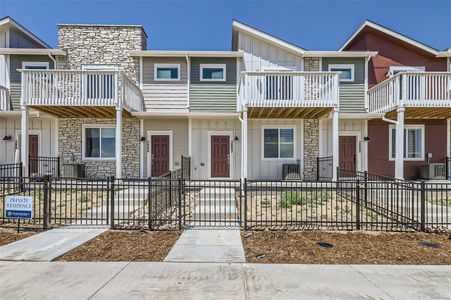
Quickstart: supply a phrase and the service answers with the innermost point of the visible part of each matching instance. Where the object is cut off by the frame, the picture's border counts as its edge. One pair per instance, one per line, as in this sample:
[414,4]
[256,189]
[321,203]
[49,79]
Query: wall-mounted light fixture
[7,138]
[236,139]
[366,139]
[142,139]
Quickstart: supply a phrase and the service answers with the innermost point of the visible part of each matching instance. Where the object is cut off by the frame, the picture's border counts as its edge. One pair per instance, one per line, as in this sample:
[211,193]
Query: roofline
[32,51]
[444,53]
[340,53]
[390,32]
[181,53]
[268,37]
[16,24]
[105,25]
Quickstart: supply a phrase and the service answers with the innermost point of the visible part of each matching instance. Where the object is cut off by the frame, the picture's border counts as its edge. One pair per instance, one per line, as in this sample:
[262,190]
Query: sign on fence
[18,207]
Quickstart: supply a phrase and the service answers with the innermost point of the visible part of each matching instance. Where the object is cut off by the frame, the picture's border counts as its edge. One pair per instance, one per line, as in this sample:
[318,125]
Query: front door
[220,156]
[348,152]
[160,154]
[33,148]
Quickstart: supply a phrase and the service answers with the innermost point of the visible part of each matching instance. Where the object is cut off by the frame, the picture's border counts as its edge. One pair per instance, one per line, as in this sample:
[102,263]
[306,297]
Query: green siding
[15,77]
[213,96]
[352,94]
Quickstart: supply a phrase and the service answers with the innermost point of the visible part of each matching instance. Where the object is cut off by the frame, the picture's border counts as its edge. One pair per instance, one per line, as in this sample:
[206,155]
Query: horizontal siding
[213,97]
[14,92]
[165,96]
[230,70]
[149,65]
[352,98]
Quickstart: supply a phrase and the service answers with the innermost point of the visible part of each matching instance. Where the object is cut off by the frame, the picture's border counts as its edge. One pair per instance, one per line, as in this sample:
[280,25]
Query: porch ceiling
[423,113]
[288,112]
[81,111]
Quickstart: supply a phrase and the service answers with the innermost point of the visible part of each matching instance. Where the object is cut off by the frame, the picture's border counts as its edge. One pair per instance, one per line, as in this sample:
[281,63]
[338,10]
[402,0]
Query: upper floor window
[346,71]
[396,69]
[166,72]
[35,65]
[212,72]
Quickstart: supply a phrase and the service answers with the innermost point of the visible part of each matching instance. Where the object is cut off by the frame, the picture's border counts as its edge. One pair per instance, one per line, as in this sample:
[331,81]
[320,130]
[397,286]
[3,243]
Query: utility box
[291,172]
[433,171]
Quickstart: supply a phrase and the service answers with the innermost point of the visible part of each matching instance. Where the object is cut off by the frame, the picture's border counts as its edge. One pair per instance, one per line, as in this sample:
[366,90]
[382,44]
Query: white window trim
[343,66]
[393,69]
[231,154]
[156,66]
[35,64]
[83,142]
[391,127]
[205,66]
[150,133]
[262,144]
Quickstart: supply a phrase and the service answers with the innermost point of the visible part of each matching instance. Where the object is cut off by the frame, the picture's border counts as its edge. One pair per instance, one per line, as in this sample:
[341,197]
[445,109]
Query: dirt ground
[118,245]
[300,247]
[9,235]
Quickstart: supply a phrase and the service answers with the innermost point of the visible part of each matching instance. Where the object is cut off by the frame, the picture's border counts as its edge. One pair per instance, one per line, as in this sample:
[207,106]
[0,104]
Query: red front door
[160,154]
[348,152]
[220,155]
[33,150]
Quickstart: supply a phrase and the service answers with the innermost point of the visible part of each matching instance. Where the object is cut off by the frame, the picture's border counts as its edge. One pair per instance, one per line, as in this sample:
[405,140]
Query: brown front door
[220,155]
[160,154]
[348,153]
[33,148]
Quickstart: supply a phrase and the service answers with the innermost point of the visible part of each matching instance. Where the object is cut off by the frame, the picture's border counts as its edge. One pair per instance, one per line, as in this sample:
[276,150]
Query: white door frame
[30,132]
[358,142]
[231,154]
[150,133]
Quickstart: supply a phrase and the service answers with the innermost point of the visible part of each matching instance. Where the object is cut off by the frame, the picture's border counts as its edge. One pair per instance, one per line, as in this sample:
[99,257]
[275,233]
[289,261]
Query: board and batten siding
[15,63]
[164,95]
[352,94]
[215,96]
[259,55]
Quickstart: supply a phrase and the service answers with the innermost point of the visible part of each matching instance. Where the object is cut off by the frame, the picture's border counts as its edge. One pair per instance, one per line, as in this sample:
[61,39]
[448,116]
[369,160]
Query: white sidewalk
[141,280]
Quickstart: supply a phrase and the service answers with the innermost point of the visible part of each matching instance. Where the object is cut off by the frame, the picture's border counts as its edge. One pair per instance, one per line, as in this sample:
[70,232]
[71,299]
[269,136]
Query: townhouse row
[104,102]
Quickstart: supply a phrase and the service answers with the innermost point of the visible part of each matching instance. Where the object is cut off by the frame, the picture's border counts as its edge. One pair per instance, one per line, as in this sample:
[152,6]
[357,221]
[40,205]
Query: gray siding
[19,40]
[15,77]
[213,96]
[352,94]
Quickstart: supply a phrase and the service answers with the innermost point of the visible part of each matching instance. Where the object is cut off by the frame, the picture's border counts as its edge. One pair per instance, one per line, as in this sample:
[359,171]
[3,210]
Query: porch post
[118,142]
[24,139]
[244,144]
[335,146]
[399,154]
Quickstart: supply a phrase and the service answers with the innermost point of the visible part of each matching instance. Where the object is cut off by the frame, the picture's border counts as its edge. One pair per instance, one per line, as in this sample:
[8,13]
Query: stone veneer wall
[70,144]
[311,131]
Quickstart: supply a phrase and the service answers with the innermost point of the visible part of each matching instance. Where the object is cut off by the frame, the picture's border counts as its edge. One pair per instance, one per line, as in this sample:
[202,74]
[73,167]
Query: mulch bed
[300,247]
[9,235]
[118,245]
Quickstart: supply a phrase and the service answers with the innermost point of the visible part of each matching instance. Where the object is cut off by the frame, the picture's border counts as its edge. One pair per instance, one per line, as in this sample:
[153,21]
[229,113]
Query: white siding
[200,129]
[11,126]
[259,55]
[265,169]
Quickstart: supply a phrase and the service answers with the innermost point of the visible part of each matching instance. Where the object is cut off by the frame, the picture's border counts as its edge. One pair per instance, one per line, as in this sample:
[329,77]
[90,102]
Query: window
[167,72]
[99,142]
[413,142]
[396,69]
[347,72]
[99,85]
[211,72]
[278,143]
[35,65]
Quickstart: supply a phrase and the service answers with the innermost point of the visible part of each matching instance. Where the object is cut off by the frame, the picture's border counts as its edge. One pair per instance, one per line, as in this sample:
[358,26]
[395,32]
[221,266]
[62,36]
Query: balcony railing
[289,89]
[5,100]
[80,88]
[422,89]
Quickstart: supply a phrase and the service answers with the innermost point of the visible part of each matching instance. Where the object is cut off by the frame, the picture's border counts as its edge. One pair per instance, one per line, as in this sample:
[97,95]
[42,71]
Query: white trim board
[30,132]
[409,126]
[216,66]
[149,151]
[83,143]
[358,146]
[159,65]
[231,154]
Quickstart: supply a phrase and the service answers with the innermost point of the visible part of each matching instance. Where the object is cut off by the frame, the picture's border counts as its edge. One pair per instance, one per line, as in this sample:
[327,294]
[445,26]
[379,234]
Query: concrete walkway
[140,280]
[48,245]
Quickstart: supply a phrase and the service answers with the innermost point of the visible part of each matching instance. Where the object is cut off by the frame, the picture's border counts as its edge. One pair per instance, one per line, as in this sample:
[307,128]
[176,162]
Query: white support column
[24,140]
[335,144]
[190,137]
[118,142]
[244,144]
[399,153]
[141,149]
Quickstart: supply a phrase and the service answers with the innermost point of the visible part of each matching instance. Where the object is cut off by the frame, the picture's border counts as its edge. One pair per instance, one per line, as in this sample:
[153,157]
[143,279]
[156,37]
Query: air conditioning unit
[74,170]
[291,171]
[433,171]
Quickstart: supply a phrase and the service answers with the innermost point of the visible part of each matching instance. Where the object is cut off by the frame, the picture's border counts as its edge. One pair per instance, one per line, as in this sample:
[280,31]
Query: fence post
[365,174]
[46,202]
[29,164]
[149,202]
[112,186]
[245,203]
[357,203]
[58,167]
[180,182]
[423,206]
[21,179]
[317,168]
[108,197]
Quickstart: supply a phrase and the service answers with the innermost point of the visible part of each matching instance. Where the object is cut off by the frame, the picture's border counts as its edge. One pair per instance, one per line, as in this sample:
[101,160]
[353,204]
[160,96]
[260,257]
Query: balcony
[422,94]
[5,100]
[76,93]
[289,94]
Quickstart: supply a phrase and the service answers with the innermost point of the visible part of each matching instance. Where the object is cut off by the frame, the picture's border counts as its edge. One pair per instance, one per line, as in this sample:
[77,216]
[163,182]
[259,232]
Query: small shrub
[84,198]
[291,198]
[265,203]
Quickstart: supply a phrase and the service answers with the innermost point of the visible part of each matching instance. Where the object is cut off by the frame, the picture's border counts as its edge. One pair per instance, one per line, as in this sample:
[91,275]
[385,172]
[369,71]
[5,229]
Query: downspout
[55,64]
[389,120]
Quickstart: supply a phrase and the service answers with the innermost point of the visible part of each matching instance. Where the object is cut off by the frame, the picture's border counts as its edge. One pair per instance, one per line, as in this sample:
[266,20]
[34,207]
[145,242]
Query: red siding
[378,148]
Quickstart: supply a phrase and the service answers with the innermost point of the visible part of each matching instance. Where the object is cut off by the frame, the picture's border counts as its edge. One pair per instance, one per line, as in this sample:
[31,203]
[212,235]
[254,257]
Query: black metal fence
[11,170]
[448,168]
[324,168]
[44,165]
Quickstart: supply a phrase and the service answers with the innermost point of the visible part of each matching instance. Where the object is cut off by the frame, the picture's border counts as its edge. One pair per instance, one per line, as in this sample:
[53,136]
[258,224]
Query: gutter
[389,120]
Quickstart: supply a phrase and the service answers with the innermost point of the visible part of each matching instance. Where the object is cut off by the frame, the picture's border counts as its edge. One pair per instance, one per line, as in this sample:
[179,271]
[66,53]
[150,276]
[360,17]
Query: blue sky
[206,25]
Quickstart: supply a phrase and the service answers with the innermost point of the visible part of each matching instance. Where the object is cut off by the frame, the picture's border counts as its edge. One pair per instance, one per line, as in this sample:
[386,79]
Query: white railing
[5,100]
[422,89]
[289,89]
[80,88]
